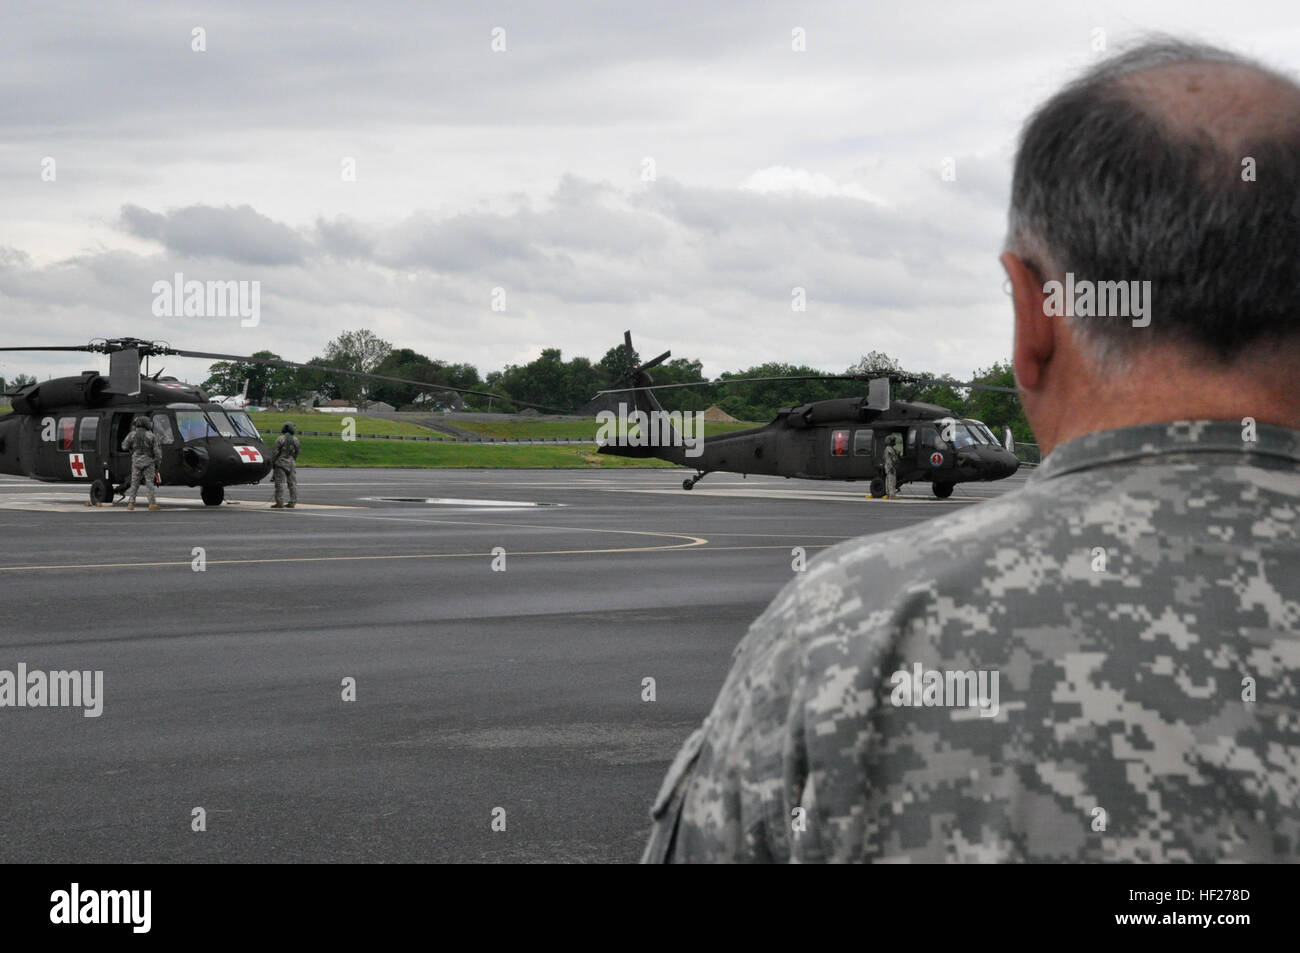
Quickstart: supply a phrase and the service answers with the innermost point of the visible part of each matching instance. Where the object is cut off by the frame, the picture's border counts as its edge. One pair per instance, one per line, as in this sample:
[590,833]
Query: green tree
[359,350]
[264,381]
[616,362]
[875,364]
[762,400]
[412,365]
[997,409]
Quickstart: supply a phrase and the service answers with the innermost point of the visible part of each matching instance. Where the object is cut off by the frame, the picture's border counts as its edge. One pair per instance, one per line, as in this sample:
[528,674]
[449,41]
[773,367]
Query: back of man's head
[1175,164]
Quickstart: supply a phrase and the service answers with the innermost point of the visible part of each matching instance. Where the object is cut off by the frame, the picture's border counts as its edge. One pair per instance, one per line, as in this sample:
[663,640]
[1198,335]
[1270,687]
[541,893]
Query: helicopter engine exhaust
[91,390]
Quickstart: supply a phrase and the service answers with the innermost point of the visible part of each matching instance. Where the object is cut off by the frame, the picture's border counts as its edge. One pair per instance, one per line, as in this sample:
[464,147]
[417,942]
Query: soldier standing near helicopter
[284,457]
[891,467]
[146,458]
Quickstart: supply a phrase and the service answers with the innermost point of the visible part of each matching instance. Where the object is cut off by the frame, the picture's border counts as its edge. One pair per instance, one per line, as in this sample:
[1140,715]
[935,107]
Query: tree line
[552,381]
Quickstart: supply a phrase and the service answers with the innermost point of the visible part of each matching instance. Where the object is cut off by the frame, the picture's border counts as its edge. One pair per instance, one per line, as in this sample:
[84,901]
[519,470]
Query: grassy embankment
[333,452]
[572,429]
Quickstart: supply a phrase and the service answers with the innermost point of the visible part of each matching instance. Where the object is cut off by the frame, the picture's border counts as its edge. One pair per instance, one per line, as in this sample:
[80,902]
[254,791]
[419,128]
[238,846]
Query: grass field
[575,429]
[333,423]
[333,452]
[328,452]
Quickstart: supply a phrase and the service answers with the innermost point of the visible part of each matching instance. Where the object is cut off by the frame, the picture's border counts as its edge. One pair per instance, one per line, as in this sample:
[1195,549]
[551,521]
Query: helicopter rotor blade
[971,385]
[737,380]
[63,347]
[279,362]
[656,362]
[902,378]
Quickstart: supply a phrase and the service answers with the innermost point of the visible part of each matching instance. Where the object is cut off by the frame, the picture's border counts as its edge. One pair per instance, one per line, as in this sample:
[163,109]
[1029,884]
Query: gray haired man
[1104,665]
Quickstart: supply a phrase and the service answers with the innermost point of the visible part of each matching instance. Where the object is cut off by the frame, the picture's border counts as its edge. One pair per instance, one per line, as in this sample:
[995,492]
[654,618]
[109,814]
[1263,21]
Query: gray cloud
[522,170]
[238,234]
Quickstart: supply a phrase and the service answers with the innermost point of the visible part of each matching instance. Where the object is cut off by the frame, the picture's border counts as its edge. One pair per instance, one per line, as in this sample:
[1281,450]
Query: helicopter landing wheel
[877,488]
[688,484]
[943,490]
[213,495]
[101,491]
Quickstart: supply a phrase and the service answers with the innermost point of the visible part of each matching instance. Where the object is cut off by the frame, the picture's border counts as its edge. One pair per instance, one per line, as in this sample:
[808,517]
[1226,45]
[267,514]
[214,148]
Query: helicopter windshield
[194,425]
[979,432]
[244,424]
[982,428]
[962,436]
[222,423]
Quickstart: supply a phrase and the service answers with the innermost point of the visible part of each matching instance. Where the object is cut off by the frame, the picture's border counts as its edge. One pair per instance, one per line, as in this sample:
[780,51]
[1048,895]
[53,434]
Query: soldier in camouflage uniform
[1105,664]
[284,467]
[891,467]
[146,458]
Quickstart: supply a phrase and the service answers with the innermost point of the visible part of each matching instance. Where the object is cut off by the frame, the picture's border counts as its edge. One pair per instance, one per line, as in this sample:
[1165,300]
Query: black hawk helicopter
[70,429]
[840,439]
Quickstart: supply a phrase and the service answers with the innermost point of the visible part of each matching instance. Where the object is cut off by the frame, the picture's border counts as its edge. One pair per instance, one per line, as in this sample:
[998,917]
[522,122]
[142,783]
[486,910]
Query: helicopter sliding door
[119,460]
[87,449]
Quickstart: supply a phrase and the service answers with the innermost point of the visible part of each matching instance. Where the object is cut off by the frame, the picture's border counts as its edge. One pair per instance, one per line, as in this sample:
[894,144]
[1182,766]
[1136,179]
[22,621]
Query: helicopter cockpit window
[962,437]
[222,422]
[87,432]
[980,432]
[67,431]
[244,424]
[194,425]
[162,428]
[911,439]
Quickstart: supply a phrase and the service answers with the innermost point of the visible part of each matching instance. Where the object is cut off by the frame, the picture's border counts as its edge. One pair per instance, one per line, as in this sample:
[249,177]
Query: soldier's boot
[277,506]
[154,506]
[289,506]
[130,506]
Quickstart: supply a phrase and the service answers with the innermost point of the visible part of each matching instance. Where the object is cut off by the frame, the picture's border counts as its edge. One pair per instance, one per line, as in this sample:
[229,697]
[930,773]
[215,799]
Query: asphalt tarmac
[481,695]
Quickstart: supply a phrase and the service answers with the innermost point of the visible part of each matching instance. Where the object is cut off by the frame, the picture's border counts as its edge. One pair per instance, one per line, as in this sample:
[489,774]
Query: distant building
[336,407]
[379,407]
[716,415]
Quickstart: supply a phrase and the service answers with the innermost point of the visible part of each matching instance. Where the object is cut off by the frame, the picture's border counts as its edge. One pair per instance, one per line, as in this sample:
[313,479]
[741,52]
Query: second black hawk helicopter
[839,439]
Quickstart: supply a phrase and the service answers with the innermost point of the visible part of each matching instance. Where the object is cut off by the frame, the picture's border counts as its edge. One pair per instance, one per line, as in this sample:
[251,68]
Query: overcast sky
[526,170]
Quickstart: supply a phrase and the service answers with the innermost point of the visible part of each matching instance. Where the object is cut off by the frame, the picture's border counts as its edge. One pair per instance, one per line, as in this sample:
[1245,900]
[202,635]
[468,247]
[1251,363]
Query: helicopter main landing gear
[943,490]
[101,492]
[876,488]
[213,495]
[689,483]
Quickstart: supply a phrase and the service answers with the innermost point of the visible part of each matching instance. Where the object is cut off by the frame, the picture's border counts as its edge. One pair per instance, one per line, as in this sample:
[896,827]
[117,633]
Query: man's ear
[1035,336]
